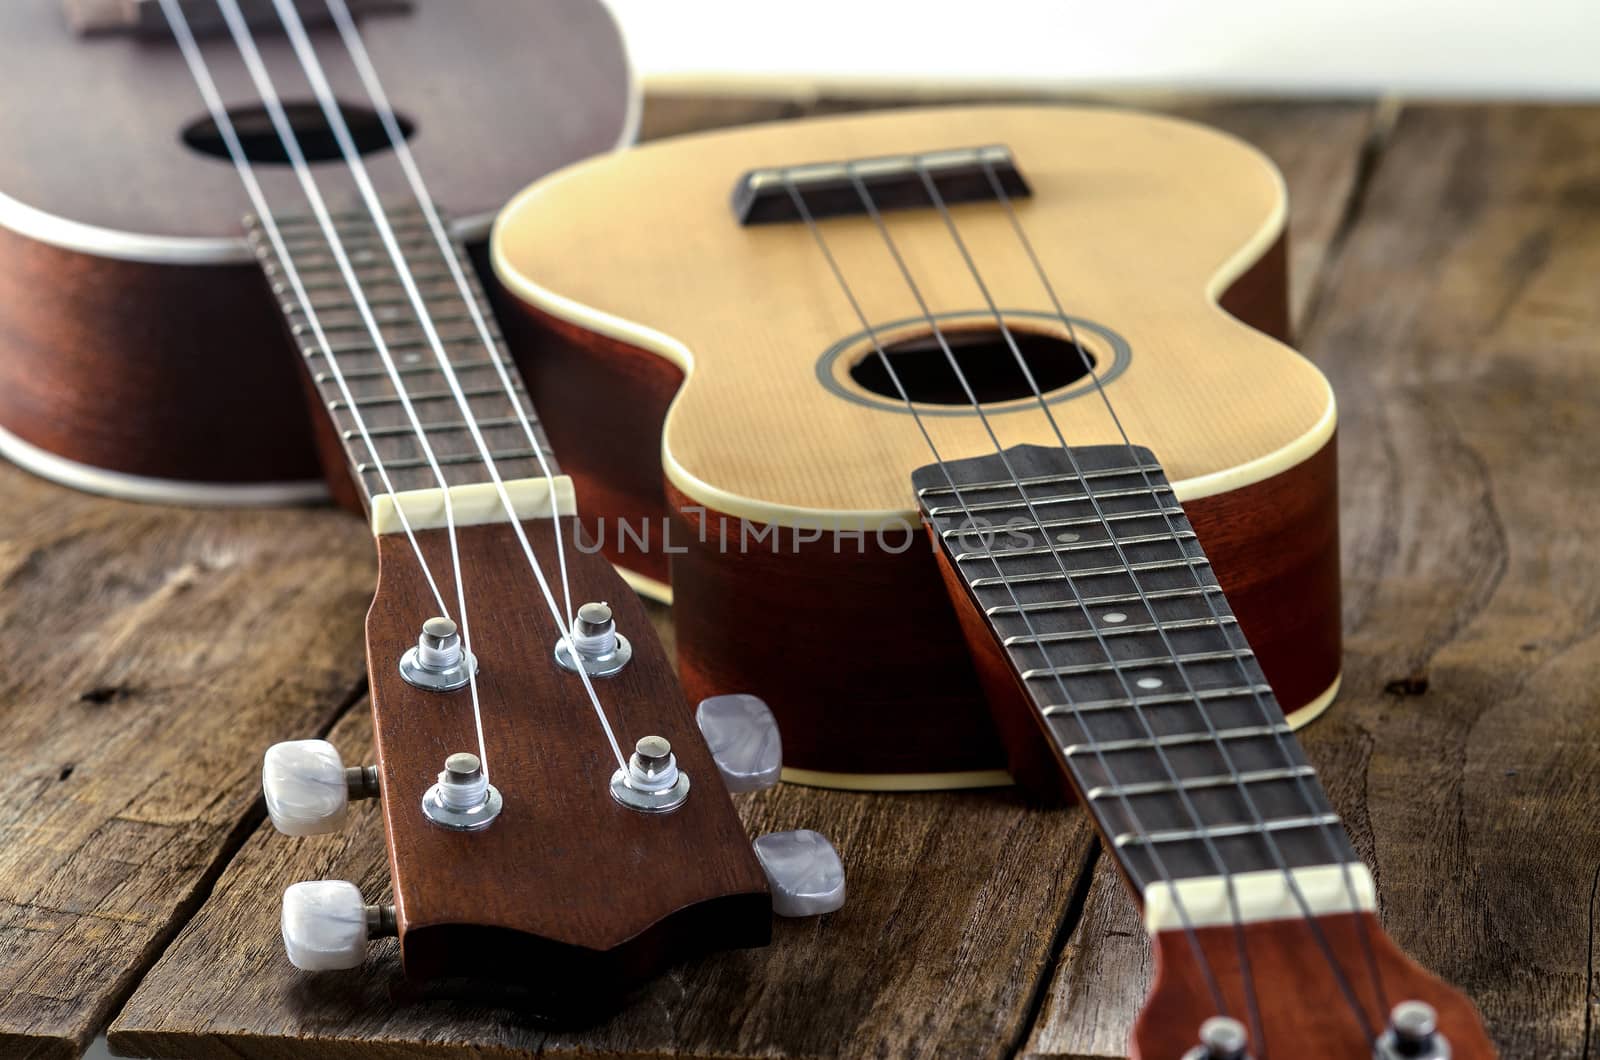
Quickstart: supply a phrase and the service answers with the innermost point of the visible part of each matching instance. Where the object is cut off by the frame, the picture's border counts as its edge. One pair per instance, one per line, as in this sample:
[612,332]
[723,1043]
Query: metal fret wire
[1251,1002]
[1302,785]
[245,42]
[1160,863]
[330,107]
[241,163]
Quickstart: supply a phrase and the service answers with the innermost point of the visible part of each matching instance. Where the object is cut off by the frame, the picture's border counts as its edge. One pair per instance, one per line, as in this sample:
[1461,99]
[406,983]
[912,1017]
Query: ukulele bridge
[890,182]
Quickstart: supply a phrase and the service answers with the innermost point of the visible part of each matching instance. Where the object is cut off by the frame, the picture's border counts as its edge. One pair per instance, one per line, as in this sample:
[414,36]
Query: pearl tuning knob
[744,741]
[308,788]
[803,869]
[327,926]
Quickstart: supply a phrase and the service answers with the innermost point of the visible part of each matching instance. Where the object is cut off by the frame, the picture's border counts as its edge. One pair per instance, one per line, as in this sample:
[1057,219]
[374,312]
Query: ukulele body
[734,435]
[141,353]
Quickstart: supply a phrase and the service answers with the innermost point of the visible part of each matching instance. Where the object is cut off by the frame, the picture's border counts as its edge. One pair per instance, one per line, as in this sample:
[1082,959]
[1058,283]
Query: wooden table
[1446,262]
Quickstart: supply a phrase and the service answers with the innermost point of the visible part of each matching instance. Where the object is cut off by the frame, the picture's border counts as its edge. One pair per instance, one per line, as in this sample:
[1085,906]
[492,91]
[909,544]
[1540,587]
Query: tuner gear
[803,871]
[744,741]
[1413,1034]
[327,926]
[463,798]
[652,781]
[595,643]
[439,662]
[308,788]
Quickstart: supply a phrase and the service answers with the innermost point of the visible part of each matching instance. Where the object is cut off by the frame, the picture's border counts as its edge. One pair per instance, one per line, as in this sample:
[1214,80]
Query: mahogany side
[567,893]
[164,371]
[1287,968]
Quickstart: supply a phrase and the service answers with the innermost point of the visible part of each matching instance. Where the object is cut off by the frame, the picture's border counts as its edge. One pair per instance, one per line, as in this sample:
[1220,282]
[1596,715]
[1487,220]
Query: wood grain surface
[1458,325]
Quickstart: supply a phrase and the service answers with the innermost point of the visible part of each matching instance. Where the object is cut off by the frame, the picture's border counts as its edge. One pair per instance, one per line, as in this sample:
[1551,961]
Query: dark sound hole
[317,142]
[986,361]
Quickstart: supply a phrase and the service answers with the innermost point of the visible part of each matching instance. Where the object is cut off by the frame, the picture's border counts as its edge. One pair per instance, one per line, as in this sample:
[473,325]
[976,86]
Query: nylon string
[352,157]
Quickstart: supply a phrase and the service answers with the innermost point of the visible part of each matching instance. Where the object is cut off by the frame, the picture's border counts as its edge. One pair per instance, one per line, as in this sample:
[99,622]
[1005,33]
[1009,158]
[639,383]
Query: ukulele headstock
[1303,984]
[563,876]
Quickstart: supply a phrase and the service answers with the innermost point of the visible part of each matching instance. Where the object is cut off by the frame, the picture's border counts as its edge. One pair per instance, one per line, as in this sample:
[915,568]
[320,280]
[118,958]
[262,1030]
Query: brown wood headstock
[526,860]
[1307,997]
[567,891]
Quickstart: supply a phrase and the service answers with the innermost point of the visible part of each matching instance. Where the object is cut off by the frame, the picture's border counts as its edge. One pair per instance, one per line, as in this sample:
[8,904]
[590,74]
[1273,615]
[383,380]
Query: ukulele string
[245,42]
[1302,785]
[190,51]
[1185,920]
[1200,830]
[368,74]
[323,91]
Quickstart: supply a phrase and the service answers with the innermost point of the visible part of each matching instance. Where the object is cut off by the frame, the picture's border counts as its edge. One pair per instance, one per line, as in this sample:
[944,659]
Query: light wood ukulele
[556,821]
[1020,327]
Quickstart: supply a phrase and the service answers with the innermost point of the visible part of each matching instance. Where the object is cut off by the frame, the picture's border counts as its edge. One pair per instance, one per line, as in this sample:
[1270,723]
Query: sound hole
[986,360]
[261,143]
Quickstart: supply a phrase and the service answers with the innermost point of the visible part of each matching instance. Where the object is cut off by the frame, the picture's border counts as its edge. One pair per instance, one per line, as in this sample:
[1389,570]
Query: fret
[1113,621]
[1081,546]
[1059,709]
[418,399]
[415,369]
[1146,743]
[1092,572]
[446,461]
[1103,600]
[1221,831]
[408,431]
[1084,520]
[1164,787]
[361,325]
[359,346]
[1039,502]
[338,283]
[1115,665]
[1040,480]
[354,221]
[1026,640]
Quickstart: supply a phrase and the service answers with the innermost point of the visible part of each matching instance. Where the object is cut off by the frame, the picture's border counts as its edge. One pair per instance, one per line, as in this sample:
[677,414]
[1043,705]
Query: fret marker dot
[1114,617]
[1150,682]
[1068,537]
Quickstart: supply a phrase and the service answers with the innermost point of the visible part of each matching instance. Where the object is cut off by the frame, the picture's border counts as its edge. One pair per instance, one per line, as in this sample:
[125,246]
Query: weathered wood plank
[150,654]
[1460,330]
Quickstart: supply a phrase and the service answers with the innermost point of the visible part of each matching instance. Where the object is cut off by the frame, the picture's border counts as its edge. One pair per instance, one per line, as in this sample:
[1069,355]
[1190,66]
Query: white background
[1471,48]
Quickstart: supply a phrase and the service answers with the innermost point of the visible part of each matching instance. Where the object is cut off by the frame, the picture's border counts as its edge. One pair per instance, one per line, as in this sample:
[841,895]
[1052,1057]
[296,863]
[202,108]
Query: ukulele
[1055,338]
[556,820]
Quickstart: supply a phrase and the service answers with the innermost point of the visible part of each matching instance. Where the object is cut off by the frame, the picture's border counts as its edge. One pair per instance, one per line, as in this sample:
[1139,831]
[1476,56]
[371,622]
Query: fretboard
[1094,584]
[353,353]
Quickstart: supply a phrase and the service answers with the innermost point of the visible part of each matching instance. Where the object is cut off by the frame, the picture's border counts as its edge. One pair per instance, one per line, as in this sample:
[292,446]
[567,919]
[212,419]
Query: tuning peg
[803,871]
[743,737]
[326,925]
[308,787]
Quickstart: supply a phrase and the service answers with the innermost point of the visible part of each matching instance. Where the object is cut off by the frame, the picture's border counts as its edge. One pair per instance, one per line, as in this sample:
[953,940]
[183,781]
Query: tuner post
[463,799]
[651,781]
[439,662]
[595,643]
[1413,1034]
[1221,1038]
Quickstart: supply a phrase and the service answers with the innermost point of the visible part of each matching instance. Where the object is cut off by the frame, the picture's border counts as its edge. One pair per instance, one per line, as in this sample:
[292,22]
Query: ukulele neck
[1083,570]
[408,403]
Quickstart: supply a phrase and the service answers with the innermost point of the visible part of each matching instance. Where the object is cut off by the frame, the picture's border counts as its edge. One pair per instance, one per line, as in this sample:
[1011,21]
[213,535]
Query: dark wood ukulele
[556,820]
[1022,329]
